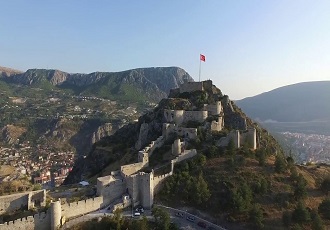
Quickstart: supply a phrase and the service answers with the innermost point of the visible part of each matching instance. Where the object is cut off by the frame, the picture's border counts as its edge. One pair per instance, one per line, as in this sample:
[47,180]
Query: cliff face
[102,131]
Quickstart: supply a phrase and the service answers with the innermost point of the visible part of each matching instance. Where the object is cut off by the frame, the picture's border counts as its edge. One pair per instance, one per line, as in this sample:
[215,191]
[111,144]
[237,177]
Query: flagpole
[200,66]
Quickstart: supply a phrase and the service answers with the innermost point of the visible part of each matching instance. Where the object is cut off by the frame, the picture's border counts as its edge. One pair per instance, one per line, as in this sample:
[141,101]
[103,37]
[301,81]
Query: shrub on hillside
[325,185]
[300,191]
[280,164]
[300,214]
[256,217]
[324,208]
[317,223]
[286,218]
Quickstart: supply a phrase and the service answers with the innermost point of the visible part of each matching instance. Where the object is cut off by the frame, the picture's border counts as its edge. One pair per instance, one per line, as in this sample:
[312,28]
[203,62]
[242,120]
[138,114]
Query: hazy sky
[250,46]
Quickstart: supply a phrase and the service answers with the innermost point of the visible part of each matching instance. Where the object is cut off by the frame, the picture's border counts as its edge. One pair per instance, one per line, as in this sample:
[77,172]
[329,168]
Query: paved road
[174,213]
[181,221]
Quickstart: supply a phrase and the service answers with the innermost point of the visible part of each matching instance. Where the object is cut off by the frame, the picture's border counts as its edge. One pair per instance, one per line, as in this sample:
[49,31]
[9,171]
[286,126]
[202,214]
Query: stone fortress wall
[27,200]
[38,221]
[240,138]
[191,87]
[69,210]
[130,183]
[169,129]
[55,215]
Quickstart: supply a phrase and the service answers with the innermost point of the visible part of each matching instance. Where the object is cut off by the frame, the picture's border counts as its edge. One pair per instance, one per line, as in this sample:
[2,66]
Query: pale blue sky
[251,46]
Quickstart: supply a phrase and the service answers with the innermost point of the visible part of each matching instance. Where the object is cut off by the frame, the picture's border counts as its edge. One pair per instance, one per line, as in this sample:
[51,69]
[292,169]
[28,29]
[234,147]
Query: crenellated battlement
[42,220]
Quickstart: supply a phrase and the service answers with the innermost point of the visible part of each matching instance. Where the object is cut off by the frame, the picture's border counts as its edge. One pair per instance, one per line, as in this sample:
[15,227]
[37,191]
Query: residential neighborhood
[40,165]
[311,148]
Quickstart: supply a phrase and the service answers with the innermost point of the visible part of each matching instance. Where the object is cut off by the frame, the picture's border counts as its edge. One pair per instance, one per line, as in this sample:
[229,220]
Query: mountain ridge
[152,83]
[293,103]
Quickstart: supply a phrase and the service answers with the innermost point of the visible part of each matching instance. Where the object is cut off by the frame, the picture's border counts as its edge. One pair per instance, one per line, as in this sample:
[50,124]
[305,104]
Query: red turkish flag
[202,57]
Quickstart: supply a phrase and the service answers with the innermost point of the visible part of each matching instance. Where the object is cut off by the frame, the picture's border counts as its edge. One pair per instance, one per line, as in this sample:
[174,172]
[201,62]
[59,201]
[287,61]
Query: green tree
[261,186]
[325,185]
[212,151]
[296,227]
[261,156]
[162,218]
[300,191]
[317,223]
[201,160]
[118,218]
[290,161]
[231,147]
[201,190]
[37,187]
[324,208]
[294,174]
[286,218]
[241,198]
[143,223]
[280,164]
[300,214]
[173,226]
[256,217]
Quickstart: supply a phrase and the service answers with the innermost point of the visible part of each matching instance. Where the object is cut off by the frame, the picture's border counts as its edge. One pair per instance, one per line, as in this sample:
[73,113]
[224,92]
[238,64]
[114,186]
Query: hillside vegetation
[236,188]
[62,110]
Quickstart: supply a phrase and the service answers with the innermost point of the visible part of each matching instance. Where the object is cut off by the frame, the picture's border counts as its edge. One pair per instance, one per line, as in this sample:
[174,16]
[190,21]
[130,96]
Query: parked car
[139,209]
[137,214]
[201,224]
[179,214]
[191,218]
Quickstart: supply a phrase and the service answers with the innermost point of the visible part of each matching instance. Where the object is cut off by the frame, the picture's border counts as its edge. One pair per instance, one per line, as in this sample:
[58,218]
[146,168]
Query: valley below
[306,142]
[49,118]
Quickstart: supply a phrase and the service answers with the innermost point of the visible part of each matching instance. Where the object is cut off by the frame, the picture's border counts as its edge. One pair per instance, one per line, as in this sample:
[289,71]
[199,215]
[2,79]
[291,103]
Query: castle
[133,184]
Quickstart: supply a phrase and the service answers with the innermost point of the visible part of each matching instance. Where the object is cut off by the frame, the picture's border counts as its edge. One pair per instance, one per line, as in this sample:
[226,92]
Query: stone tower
[176,147]
[146,189]
[252,137]
[55,215]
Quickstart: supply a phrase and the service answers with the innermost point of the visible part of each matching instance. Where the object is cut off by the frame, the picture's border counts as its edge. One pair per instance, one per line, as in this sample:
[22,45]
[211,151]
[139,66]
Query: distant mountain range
[135,85]
[68,110]
[302,102]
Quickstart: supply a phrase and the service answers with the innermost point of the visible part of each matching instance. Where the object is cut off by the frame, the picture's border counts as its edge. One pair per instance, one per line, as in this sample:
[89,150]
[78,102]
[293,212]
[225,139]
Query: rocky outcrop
[6,72]
[102,131]
[11,134]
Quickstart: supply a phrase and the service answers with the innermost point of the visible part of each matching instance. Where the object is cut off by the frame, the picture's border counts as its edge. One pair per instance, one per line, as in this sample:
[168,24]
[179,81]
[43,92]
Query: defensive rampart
[38,221]
[25,200]
[81,207]
[159,179]
[130,169]
[153,145]
[191,87]
[186,155]
[198,116]
[111,187]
